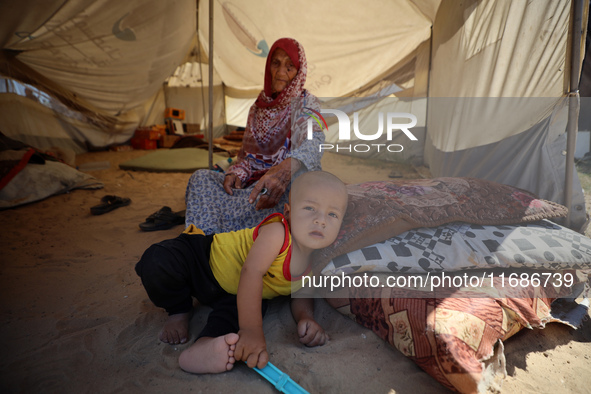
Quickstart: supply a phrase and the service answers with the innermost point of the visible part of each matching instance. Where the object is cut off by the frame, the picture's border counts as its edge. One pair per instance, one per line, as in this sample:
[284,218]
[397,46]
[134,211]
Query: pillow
[381,210]
[460,246]
[458,341]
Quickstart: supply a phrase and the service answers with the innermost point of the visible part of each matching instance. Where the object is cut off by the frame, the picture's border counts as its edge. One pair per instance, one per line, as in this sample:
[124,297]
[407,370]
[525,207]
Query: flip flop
[108,203]
[163,220]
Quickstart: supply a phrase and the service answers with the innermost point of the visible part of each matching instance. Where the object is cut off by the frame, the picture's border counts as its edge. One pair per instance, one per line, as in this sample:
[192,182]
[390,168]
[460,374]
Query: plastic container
[222,165]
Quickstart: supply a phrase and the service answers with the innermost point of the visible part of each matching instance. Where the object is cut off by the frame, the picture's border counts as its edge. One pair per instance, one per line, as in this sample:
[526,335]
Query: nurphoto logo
[393,124]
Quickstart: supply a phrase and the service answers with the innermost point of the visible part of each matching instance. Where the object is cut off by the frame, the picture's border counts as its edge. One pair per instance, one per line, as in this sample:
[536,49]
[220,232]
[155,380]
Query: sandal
[108,203]
[163,220]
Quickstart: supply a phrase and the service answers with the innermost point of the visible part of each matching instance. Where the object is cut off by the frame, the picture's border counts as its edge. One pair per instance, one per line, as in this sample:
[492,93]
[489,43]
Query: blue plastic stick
[280,380]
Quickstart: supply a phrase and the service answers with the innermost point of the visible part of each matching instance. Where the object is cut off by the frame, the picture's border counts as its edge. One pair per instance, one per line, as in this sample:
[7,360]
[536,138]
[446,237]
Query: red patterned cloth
[458,340]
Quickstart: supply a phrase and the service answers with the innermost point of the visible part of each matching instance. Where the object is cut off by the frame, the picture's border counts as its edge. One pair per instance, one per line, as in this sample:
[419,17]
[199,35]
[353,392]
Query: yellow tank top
[229,251]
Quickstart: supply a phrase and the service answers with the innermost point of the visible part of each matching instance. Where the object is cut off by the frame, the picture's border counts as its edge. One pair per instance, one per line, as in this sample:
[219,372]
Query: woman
[275,146]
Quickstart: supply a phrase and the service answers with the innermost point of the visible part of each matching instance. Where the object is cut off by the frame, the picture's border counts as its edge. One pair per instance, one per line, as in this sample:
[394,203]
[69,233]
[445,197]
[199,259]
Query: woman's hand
[275,182]
[232,181]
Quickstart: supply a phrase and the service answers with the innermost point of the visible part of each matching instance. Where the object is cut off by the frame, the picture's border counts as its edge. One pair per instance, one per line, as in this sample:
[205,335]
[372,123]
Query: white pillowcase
[460,246]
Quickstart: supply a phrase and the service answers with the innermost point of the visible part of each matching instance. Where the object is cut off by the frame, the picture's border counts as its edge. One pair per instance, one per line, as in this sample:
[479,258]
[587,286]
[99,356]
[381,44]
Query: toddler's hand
[252,348]
[311,334]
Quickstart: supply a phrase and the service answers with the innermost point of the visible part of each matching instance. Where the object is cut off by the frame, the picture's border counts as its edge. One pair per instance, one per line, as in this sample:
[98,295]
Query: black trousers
[175,270]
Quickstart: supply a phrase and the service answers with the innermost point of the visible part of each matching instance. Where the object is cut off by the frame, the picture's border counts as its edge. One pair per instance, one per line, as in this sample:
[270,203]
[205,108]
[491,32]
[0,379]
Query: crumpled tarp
[26,176]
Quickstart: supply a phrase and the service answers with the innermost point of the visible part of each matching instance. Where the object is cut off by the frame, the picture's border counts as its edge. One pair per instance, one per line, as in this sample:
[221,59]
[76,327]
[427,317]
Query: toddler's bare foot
[210,355]
[176,329]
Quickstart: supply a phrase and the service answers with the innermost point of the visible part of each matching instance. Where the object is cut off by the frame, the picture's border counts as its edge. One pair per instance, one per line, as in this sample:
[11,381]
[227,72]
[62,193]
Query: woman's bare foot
[176,329]
[210,355]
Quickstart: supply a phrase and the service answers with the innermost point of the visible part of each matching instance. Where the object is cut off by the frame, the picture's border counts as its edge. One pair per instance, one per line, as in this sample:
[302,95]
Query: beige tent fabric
[25,118]
[502,113]
[108,57]
[490,47]
[346,45]
[494,72]
[188,89]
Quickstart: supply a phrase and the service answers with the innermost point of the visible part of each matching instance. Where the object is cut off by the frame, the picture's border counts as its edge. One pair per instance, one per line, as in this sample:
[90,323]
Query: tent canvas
[460,67]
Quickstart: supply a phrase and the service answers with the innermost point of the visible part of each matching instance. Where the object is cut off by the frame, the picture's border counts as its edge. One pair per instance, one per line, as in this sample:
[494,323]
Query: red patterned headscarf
[271,115]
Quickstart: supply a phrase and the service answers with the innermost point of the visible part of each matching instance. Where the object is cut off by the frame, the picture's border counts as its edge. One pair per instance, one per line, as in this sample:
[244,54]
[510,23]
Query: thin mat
[172,160]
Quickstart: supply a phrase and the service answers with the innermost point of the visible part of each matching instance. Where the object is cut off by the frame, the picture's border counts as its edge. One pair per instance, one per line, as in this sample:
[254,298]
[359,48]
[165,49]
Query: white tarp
[188,89]
[348,45]
[108,58]
[502,114]
[497,49]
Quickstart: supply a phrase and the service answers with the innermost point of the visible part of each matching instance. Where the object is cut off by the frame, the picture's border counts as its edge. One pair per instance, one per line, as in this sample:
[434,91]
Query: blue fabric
[212,210]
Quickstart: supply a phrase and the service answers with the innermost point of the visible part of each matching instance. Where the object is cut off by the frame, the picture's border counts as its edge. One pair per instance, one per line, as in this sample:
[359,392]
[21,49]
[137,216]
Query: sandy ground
[75,318]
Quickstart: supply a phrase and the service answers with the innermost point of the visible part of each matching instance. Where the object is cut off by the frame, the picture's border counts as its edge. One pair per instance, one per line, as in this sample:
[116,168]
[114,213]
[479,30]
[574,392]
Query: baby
[236,272]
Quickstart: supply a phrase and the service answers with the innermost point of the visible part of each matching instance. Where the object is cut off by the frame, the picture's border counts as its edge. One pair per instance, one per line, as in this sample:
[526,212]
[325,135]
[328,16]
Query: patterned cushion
[381,210]
[466,224]
[458,341]
[456,334]
[460,246]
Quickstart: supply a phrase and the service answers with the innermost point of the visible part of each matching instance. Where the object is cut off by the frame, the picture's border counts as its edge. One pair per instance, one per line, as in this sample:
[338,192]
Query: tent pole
[210,126]
[573,105]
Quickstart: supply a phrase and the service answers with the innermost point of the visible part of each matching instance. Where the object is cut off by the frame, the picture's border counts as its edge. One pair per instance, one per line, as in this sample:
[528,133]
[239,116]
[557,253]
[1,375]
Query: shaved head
[315,179]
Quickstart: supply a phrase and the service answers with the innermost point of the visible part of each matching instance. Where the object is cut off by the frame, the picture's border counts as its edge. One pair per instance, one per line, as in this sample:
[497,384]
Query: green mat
[172,160]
